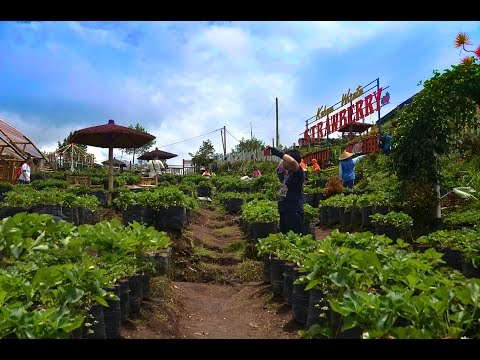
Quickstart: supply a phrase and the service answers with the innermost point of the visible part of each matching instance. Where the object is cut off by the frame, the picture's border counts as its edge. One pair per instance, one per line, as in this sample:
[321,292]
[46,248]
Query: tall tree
[205,156]
[141,149]
[249,145]
[429,127]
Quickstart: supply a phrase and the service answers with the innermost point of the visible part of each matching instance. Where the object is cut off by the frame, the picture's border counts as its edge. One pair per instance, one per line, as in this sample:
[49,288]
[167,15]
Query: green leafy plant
[398,220]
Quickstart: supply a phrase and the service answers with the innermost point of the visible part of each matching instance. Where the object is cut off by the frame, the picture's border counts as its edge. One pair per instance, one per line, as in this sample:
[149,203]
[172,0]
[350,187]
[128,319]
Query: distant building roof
[16,146]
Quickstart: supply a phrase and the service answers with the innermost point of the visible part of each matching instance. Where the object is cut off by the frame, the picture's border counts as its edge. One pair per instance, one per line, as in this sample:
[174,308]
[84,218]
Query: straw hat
[345,155]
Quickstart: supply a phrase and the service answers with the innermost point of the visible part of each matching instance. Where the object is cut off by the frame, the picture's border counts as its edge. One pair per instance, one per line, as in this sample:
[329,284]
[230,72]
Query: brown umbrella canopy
[116,162]
[111,136]
[156,154]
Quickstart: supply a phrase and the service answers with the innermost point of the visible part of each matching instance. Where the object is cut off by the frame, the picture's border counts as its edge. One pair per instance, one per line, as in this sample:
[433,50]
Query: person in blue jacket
[346,168]
[385,143]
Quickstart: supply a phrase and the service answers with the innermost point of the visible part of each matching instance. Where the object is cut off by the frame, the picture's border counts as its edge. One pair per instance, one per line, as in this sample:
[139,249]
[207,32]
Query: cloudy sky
[184,81]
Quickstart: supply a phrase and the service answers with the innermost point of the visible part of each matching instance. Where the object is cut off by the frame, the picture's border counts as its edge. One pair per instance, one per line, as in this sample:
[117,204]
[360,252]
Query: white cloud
[181,80]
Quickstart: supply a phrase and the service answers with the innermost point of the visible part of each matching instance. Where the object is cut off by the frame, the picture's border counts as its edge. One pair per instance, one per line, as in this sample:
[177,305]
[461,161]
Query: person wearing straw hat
[346,168]
[290,196]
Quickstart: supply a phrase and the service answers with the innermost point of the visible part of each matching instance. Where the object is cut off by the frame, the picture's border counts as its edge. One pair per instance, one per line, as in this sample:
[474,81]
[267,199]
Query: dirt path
[216,293]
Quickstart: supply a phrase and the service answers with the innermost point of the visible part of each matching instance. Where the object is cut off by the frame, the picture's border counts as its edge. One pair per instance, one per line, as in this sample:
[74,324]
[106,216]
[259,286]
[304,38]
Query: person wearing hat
[316,167]
[346,168]
[290,196]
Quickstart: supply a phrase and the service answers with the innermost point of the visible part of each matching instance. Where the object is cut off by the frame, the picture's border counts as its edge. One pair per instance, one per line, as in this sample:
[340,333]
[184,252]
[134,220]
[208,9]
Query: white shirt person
[155,167]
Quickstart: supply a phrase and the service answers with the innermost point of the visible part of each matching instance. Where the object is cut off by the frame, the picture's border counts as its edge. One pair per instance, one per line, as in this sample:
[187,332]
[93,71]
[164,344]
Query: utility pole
[278,136]
[224,142]
[251,133]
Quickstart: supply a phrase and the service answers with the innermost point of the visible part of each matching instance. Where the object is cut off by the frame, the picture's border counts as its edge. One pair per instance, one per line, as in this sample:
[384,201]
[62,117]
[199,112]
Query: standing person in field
[24,177]
[290,199]
[346,168]
[155,167]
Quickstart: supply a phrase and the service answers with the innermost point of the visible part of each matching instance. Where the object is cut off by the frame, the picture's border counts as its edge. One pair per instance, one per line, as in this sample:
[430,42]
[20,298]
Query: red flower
[461,39]
[477,52]
[467,60]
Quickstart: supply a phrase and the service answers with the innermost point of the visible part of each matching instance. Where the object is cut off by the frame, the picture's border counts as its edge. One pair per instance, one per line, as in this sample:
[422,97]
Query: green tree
[249,145]
[205,156]
[429,127]
[141,149]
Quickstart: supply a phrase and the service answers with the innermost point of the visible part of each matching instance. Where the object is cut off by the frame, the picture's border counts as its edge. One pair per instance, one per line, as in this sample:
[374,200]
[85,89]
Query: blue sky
[181,80]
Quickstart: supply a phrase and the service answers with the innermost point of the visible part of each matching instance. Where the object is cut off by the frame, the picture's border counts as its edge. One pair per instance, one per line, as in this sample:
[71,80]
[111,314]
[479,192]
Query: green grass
[249,270]
[236,247]
[225,231]
[201,251]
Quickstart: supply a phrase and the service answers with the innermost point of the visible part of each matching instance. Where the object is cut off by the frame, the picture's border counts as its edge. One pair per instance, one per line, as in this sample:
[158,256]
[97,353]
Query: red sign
[353,113]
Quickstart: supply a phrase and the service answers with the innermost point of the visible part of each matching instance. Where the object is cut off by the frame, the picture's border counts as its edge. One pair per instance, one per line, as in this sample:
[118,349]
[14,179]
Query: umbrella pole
[110,174]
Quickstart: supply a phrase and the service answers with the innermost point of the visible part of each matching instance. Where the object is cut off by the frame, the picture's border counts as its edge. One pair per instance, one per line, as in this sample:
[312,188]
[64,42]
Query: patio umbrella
[116,162]
[111,136]
[156,154]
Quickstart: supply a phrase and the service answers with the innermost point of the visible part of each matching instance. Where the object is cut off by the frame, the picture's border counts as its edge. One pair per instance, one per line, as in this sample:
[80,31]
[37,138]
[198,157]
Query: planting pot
[333,215]
[139,213]
[300,299]
[135,283]
[316,315]
[288,283]
[267,269]
[366,212]
[387,230]
[356,216]
[262,230]
[171,218]
[112,316]
[277,269]
[204,191]
[470,271]
[323,215]
[452,258]
[234,205]
[380,209]
[309,229]
[7,211]
[96,324]
[124,299]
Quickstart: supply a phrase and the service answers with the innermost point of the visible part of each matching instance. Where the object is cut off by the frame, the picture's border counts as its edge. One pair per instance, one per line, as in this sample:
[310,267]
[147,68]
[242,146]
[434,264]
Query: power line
[265,115]
[178,142]
[232,136]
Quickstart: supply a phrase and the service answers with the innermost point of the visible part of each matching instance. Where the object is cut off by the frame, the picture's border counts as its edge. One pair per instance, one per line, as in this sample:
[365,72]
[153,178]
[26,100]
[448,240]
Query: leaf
[42,247]
[73,295]
[339,278]
[412,279]
[312,284]
[39,239]
[465,192]
[100,300]
[348,323]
